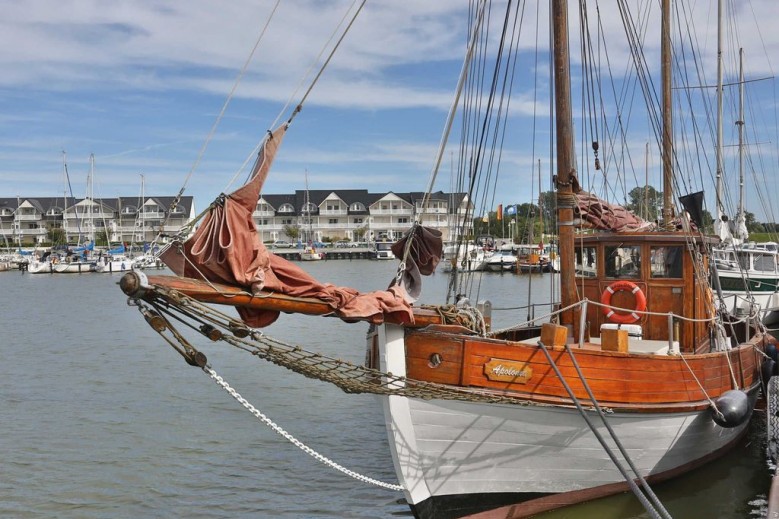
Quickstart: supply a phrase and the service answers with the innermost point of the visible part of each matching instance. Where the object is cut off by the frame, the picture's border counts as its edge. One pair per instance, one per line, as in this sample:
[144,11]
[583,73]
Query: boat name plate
[508,371]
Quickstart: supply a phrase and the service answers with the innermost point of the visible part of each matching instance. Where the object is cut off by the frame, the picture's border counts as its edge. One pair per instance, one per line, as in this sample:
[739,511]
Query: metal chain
[297,443]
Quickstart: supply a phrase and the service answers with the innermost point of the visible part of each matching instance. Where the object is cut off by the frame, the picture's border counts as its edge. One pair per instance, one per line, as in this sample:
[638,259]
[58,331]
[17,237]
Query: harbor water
[101,418]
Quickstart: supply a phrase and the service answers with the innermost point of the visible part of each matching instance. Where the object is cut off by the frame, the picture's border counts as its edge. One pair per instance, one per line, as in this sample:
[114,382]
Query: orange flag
[500,212]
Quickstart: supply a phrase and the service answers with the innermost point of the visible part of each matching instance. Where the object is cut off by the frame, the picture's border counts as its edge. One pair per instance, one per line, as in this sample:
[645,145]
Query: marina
[122,427]
[608,350]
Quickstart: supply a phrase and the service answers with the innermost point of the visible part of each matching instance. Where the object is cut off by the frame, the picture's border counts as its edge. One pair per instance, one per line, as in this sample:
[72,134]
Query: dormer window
[287,208]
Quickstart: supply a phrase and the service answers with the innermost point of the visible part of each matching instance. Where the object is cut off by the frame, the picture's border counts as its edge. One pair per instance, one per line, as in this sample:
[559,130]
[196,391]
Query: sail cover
[226,248]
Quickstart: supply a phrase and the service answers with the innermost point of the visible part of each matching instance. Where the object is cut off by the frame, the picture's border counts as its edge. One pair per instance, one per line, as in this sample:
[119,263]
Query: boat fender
[733,408]
[615,287]
[768,369]
[770,350]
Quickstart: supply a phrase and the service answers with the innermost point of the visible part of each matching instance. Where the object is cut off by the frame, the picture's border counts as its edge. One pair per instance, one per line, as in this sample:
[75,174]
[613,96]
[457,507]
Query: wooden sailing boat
[636,378]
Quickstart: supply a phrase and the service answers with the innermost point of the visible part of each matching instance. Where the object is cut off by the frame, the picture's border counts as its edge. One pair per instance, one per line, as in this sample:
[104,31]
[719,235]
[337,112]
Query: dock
[351,253]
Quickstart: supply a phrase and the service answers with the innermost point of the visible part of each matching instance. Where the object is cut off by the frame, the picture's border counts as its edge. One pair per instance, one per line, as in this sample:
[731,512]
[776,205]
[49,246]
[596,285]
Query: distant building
[28,221]
[342,214]
[357,215]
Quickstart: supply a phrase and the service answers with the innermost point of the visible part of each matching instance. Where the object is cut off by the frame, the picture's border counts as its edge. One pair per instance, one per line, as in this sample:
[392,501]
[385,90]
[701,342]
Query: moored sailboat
[636,377]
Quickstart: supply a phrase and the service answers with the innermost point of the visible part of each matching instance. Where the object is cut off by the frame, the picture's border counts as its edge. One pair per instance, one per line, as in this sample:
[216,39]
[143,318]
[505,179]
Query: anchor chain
[294,441]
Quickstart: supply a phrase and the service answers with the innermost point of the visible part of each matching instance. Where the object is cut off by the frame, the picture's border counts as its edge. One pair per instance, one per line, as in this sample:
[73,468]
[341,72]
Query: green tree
[752,224]
[644,201]
[360,232]
[56,235]
[293,231]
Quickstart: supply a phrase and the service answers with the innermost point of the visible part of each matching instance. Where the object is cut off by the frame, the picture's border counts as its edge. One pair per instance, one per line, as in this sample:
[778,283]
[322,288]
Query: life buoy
[632,317]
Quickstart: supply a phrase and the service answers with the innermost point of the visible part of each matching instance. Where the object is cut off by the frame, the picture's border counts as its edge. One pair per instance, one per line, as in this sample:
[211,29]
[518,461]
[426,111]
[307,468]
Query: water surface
[100,418]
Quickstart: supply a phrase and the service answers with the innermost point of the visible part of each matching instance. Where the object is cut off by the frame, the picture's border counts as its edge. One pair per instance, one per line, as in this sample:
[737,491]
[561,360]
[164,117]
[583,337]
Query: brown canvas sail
[601,215]
[227,249]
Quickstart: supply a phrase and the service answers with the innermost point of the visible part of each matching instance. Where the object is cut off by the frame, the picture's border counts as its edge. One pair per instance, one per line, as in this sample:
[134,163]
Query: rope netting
[168,306]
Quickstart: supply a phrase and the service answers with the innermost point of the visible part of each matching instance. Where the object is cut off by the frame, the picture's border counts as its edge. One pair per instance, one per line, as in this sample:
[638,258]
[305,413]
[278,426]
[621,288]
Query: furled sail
[601,215]
[227,249]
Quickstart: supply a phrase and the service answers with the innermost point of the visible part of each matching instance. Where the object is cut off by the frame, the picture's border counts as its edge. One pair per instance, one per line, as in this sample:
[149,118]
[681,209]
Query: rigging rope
[297,109]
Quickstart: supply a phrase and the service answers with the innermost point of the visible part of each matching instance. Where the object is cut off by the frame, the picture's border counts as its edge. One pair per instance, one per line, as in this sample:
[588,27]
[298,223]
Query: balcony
[33,232]
[28,217]
[400,212]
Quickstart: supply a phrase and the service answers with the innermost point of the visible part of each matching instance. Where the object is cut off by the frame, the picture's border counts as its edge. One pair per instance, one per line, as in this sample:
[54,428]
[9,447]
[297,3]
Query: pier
[329,254]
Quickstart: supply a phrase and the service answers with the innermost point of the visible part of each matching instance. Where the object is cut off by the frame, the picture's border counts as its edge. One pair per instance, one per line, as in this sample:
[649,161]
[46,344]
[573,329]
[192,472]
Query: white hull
[309,255]
[500,263]
[450,448]
[74,268]
[40,267]
[108,267]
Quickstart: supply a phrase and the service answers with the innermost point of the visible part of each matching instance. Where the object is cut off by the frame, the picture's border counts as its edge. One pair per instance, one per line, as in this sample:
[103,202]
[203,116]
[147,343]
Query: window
[623,261]
[286,208]
[332,221]
[286,221]
[585,262]
[764,262]
[357,220]
[666,262]
[357,206]
[402,220]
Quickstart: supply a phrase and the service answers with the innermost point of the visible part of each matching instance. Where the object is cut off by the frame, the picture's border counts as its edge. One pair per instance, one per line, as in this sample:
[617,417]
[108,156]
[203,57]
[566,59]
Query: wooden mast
[665,52]
[566,173]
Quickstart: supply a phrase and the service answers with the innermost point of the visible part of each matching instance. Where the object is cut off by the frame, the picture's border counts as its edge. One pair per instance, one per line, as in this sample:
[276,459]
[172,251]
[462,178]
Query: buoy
[733,407]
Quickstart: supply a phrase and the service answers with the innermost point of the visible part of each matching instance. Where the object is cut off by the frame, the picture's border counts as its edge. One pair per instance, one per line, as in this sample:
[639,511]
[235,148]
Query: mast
[741,225]
[540,202]
[665,52]
[65,194]
[140,208]
[90,196]
[566,175]
[721,226]
[307,212]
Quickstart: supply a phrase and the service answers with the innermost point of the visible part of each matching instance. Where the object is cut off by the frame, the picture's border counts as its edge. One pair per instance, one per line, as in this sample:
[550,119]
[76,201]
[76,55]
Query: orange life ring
[632,317]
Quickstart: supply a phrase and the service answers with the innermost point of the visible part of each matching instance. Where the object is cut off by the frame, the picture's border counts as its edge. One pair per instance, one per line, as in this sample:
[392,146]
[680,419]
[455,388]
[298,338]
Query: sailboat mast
[741,227]
[665,52]
[566,175]
[720,211]
[91,197]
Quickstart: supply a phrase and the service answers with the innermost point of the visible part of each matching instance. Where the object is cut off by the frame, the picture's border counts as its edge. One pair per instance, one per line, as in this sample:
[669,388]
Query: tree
[56,235]
[360,232]
[753,226]
[293,231]
[644,202]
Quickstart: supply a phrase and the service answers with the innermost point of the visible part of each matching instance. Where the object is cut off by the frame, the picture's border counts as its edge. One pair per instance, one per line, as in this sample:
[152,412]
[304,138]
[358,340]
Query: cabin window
[666,262]
[623,261]
[586,265]
[764,262]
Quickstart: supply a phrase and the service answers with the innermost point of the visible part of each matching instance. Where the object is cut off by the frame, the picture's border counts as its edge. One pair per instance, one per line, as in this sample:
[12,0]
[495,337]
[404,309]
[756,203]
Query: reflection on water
[100,418]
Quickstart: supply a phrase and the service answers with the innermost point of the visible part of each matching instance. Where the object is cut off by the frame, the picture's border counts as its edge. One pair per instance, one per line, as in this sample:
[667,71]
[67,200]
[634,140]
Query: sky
[141,85]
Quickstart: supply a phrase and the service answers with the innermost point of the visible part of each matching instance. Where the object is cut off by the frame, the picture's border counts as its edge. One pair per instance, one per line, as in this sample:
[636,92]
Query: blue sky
[141,83]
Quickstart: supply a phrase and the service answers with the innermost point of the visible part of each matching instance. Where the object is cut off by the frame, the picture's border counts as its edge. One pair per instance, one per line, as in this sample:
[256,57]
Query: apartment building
[28,221]
[357,215]
[319,215]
